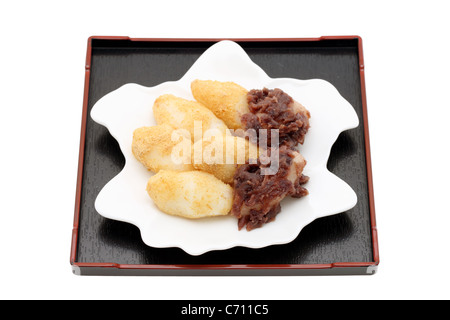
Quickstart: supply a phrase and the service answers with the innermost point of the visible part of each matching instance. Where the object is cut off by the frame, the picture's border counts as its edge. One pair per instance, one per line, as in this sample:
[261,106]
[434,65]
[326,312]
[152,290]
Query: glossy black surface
[345,237]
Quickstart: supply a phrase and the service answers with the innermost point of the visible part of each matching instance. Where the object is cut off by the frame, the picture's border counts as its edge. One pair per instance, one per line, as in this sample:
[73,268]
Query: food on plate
[255,109]
[257,197]
[186,114]
[222,156]
[154,148]
[227,100]
[190,194]
[275,109]
[224,166]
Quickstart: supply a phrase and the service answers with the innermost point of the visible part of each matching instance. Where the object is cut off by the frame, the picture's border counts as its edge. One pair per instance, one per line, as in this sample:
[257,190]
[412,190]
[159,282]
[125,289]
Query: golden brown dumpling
[221,157]
[154,148]
[190,194]
[227,100]
[185,114]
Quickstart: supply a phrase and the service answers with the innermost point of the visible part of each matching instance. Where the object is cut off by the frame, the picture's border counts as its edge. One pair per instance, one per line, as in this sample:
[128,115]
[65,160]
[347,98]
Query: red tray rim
[73,252]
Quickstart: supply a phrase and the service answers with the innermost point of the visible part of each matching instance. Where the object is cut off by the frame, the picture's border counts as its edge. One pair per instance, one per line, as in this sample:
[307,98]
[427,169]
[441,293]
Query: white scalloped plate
[124,198]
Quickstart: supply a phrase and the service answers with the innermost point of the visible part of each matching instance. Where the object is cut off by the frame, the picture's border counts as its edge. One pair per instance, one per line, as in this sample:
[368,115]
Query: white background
[42,56]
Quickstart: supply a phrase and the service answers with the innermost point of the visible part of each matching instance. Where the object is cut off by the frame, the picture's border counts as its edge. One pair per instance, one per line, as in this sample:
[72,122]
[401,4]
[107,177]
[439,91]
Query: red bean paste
[275,109]
[257,197]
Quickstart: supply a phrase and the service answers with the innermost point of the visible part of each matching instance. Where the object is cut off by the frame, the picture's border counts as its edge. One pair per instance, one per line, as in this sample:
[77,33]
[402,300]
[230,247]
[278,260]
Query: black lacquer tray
[345,243]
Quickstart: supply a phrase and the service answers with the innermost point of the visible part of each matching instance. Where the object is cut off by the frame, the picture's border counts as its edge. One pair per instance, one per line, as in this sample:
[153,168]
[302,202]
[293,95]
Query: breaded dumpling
[154,148]
[190,194]
[222,157]
[227,100]
[185,114]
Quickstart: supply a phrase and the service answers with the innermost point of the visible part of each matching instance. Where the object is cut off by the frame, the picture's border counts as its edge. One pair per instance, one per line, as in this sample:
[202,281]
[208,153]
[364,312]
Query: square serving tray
[342,244]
